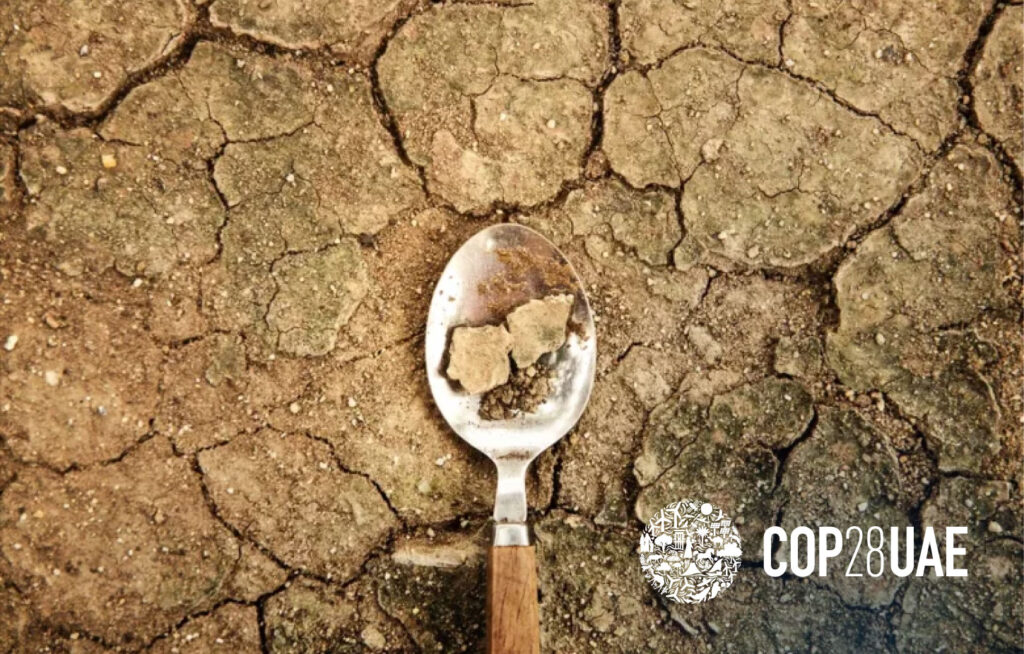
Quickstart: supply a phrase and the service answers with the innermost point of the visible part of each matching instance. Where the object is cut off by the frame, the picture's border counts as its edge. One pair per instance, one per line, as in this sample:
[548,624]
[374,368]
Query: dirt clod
[538,327]
[478,357]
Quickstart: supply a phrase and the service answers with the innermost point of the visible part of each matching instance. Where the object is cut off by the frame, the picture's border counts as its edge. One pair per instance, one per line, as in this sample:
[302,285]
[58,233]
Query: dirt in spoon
[523,393]
[479,357]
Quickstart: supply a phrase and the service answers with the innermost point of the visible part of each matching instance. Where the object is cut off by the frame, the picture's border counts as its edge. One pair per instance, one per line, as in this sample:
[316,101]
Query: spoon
[495,271]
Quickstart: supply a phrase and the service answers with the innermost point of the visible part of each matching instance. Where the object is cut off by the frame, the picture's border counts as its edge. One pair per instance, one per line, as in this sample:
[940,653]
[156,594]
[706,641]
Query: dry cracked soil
[799,224]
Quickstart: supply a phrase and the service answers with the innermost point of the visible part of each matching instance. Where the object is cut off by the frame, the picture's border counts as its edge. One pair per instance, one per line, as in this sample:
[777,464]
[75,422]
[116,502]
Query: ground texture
[798,223]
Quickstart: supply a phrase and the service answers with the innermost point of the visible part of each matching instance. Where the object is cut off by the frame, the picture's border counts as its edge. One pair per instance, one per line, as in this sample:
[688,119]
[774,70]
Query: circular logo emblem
[690,551]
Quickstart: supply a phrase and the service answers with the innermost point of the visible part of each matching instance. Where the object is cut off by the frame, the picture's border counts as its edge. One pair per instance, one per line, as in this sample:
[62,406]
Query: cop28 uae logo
[690,551]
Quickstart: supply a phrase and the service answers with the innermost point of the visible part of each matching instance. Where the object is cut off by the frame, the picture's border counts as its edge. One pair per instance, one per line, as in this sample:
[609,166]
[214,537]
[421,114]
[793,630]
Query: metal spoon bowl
[498,269]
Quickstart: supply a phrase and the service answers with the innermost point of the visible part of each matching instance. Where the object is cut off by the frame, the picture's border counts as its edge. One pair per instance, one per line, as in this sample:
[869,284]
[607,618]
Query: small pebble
[52,377]
[294,407]
[108,160]
[61,170]
[11,341]
[373,638]
[552,124]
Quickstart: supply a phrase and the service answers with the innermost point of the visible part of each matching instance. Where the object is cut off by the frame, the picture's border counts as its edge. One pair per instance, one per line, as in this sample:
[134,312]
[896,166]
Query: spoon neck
[510,502]
[511,534]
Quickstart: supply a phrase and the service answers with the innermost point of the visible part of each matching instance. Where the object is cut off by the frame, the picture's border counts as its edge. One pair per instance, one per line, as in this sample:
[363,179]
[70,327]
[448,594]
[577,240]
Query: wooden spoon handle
[512,622]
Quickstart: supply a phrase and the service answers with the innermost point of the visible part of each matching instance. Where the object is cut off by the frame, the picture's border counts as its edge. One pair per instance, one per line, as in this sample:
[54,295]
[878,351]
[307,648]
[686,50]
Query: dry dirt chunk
[317,293]
[479,357]
[124,551]
[861,471]
[538,327]
[77,55]
[939,263]
[654,29]
[311,617]
[288,493]
[486,108]
[982,611]
[102,205]
[231,629]
[998,89]
[352,30]
[776,173]
[894,59]
[82,390]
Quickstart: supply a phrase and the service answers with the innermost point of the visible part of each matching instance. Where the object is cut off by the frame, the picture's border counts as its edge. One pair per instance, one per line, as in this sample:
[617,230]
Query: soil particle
[524,392]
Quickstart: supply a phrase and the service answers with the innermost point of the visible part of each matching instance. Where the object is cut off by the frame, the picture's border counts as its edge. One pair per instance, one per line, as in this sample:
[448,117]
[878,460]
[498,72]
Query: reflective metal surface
[496,270]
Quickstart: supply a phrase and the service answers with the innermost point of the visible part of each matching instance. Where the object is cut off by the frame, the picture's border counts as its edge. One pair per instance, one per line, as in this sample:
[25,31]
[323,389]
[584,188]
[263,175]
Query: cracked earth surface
[799,224]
